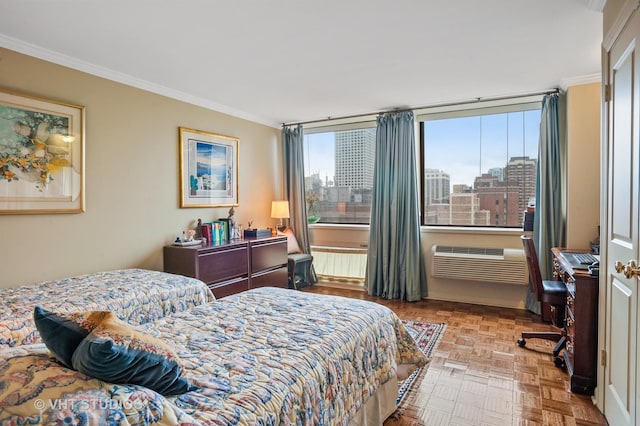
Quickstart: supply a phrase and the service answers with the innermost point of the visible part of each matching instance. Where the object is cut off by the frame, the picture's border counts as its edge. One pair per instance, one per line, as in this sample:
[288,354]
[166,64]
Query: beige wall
[132,193]
[583,135]
[132,182]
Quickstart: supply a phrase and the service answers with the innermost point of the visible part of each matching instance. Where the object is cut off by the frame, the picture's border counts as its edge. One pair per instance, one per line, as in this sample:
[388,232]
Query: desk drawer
[571,329]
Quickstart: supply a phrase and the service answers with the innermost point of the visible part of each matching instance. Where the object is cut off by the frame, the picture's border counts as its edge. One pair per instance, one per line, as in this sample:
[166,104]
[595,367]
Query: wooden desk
[581,321]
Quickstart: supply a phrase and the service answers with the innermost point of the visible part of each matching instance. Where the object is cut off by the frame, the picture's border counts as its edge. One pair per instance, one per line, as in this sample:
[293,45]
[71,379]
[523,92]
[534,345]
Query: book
[226,222]
[206,232]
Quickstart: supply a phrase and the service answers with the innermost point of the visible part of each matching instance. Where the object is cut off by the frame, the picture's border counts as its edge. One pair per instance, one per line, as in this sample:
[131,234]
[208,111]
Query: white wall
[132,193]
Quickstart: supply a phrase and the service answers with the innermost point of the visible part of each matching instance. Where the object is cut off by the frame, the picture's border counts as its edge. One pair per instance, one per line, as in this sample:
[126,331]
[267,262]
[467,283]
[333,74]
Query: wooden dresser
[580,355]
[232,266]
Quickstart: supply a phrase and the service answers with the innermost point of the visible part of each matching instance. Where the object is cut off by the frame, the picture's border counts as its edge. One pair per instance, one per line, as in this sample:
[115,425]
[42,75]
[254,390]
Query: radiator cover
[481,264]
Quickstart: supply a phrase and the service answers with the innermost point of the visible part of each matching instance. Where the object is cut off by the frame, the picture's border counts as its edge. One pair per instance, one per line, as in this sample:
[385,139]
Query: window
[476,158]
[339,174]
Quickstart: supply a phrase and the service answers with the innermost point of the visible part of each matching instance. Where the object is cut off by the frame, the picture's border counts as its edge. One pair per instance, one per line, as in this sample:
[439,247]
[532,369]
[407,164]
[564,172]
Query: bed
[268,356]
[135,295]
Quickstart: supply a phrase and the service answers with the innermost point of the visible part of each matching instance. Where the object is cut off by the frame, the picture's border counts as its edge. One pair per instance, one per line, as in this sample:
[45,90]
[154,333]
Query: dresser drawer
[216,266]
[273,278]
[267,255]
[227,288]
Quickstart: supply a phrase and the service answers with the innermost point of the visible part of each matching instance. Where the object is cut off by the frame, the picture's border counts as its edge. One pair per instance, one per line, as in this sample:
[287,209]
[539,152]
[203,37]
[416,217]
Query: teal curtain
[549,226]
[292,137]
[395,266]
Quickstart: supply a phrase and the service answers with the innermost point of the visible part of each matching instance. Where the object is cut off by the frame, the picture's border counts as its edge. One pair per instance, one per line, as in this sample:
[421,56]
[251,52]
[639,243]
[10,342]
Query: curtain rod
[470,101]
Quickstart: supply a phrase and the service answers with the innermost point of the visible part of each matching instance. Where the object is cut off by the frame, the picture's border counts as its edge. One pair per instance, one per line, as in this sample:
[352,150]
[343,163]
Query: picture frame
[42,167]
[208,169]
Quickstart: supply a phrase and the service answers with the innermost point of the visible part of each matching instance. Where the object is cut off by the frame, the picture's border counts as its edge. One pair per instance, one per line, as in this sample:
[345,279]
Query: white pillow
[292,242]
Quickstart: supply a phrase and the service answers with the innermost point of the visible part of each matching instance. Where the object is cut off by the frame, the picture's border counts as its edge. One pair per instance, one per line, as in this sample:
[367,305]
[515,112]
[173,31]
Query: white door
[621,384]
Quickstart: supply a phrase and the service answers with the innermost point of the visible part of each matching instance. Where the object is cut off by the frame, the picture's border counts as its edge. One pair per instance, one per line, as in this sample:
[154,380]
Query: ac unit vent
[474,251]
[482,264]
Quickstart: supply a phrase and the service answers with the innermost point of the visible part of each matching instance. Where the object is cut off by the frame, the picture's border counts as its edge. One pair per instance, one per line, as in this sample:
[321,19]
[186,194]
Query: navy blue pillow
[117,353]
[62,333]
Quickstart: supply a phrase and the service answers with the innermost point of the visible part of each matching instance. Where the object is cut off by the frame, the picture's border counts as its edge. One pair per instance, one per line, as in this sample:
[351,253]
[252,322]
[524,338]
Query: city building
[497,198]
[520,173]
[437,185]
[355,154]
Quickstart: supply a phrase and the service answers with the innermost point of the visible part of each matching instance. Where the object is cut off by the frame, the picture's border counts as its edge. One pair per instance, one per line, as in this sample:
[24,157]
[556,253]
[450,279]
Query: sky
[453,145]
[319,155]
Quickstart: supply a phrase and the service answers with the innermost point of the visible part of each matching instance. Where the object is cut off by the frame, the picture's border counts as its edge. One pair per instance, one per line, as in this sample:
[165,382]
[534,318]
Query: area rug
[427,335]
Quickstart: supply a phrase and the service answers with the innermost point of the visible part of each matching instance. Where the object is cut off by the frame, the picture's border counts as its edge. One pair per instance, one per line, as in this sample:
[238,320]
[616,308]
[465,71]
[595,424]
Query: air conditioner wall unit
[482,264]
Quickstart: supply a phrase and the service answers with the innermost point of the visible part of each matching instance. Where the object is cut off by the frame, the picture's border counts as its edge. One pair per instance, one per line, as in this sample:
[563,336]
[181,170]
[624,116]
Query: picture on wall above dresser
[208,169]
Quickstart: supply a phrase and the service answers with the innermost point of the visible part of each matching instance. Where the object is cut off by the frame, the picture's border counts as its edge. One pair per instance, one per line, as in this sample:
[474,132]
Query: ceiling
[286,61]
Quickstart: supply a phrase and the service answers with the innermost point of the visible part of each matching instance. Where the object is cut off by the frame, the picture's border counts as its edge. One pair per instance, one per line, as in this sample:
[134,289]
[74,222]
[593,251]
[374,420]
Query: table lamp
[280,210]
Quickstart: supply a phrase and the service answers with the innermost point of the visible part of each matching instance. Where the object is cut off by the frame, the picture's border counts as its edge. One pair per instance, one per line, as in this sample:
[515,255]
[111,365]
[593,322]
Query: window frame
[339,125]
[461,110]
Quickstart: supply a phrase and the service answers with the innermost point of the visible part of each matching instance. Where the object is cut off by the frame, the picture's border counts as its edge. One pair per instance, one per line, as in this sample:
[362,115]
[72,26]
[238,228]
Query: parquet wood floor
[479,375]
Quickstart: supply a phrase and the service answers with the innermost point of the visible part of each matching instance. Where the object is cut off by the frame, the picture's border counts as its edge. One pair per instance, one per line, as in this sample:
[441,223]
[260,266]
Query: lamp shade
[280,209]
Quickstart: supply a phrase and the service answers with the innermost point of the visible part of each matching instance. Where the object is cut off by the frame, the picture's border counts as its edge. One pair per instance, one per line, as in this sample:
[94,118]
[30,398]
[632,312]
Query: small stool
[304,261]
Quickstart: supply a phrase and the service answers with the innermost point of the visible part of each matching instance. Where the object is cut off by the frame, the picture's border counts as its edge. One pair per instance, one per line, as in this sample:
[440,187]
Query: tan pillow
[292,242]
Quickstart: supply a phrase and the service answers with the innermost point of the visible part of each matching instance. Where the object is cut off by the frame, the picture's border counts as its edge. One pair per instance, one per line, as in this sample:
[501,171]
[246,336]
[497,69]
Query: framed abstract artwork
[208,169]
[41,155]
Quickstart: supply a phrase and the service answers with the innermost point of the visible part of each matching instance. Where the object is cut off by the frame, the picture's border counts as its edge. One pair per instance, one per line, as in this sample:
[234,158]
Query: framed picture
[41,155]
[208,169]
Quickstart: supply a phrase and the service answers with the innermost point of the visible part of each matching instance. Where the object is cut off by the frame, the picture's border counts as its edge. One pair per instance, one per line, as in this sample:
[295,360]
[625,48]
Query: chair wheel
[559,362]
[522,342]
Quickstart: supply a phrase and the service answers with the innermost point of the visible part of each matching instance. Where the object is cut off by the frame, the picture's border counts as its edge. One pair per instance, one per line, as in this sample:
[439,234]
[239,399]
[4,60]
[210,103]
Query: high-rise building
[521,172]
[355,155]
[497,172]
[499,199]
[437,186]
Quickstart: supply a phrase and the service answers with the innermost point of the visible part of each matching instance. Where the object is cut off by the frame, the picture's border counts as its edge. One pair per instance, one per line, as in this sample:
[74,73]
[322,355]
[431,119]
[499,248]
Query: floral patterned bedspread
[268,356]
[135,295]
[37,390]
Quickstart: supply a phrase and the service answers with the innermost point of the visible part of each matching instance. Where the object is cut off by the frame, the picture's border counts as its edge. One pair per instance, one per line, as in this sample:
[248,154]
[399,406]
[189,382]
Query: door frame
[609,39]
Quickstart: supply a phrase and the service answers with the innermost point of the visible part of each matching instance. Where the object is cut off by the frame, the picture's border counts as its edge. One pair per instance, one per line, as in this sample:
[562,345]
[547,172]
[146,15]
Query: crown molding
[583,79]
[618,25]
[109,74]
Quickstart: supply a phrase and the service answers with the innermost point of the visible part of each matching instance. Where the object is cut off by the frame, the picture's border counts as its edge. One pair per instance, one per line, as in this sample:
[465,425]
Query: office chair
[553,293]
